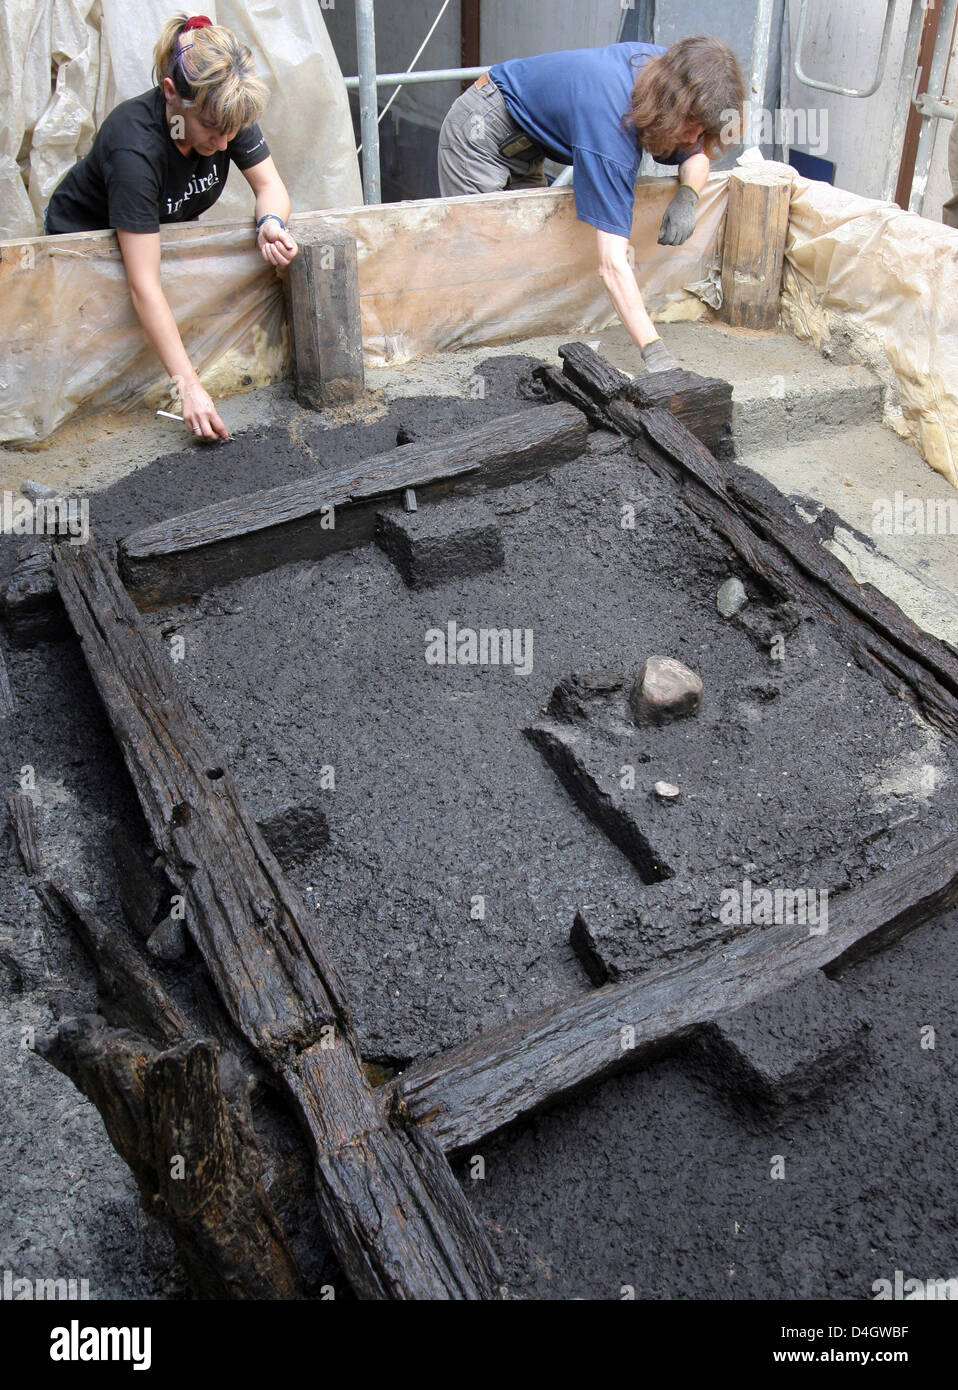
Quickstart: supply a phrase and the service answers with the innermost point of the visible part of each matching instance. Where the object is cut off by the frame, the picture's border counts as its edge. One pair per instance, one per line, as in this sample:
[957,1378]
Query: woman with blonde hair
[163,157]
[598,109]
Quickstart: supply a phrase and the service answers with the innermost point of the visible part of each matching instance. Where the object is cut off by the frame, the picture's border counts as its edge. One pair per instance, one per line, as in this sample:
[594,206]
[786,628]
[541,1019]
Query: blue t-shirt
[573,103]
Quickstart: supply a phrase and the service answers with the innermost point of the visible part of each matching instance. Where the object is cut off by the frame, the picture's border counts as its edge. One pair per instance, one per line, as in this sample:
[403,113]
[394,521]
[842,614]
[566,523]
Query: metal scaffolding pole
[403,79]
[368,104]
[906,84]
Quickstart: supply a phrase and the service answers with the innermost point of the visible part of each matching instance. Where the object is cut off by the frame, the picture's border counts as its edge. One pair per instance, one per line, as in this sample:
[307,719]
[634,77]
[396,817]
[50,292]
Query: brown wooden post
[324,320]
[470,28]
[755,231]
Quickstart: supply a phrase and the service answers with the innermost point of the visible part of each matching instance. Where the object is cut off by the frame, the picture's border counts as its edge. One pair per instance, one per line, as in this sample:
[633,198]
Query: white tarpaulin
[64,65]
[434,276]
[885,282]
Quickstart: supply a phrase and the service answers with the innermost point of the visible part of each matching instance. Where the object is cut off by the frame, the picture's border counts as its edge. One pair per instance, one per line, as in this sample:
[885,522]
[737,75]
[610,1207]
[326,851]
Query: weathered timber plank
[703,404]
[562,387]
[490,1082]
[160,1106]
[129,990]
[181,558]
[31,606]
[231,1241]
[322,305]
[592,373]
[23,819]
[393,1238]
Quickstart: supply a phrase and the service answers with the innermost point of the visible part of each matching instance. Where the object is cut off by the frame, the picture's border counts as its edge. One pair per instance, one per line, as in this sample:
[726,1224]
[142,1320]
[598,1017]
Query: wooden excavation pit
[277,1018]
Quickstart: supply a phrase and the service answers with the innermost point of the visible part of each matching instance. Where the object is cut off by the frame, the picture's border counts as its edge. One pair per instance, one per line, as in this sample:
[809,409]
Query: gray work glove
[657,357]
[678,224]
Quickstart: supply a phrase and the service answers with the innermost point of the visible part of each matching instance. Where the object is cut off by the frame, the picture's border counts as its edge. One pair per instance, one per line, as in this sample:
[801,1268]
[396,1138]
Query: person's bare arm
[618,276]
[141,257]
[275,243]
[694,171]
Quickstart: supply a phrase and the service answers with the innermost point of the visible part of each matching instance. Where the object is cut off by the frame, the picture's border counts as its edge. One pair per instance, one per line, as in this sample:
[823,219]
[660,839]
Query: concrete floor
[812,426]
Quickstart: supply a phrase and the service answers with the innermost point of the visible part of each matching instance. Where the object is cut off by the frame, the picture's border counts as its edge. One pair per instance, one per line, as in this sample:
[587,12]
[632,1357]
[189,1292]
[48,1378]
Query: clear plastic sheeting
[451,273]
[64,65]
[48,75]
[884,284]
[433,275]
[72,340]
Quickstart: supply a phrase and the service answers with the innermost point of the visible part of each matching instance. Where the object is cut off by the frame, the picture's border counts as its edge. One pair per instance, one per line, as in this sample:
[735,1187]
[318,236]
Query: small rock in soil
[731,598]
[666,791]
[37,492]
[666,690]
[168,942]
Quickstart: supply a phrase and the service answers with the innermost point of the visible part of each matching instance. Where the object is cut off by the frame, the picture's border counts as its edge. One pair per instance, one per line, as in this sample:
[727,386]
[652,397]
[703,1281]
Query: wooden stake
[323,308]
[755,230]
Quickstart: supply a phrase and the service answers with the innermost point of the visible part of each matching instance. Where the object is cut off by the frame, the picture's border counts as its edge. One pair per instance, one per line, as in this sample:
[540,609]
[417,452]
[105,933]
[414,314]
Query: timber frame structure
[395,1215]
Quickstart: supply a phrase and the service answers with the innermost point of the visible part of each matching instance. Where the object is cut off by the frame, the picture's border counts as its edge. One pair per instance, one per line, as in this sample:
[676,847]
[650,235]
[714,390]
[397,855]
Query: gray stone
[168,941]
[665,690]
[731,598]
[37,492]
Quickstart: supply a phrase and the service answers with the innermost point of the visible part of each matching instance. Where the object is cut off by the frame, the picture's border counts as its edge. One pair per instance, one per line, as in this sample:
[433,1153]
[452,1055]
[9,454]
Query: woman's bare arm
[276,244]
[141,257]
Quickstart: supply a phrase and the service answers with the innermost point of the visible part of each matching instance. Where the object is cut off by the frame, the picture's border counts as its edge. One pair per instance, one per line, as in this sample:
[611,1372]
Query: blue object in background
[811,166]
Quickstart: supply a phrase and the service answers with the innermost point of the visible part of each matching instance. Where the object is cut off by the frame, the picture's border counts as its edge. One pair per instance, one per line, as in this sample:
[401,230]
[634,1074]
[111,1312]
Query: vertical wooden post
[324,319]
[755,231]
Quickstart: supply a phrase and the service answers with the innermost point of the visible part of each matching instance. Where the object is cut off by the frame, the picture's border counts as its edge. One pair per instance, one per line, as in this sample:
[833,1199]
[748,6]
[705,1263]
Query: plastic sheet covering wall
[462,272]
[100,53]
[433,275]
[72,341]
[884,284]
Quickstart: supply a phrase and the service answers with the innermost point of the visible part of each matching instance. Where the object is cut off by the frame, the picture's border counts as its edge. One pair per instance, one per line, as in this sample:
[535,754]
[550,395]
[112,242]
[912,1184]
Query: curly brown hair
[697,81]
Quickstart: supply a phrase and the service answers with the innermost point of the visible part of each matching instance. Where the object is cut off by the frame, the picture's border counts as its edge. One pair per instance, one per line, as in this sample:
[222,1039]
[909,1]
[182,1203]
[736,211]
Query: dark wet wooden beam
[498,1078]
[395,1215]
[179,559]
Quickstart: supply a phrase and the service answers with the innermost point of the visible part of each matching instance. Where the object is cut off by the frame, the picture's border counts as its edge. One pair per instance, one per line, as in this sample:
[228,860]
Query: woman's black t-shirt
[134,177]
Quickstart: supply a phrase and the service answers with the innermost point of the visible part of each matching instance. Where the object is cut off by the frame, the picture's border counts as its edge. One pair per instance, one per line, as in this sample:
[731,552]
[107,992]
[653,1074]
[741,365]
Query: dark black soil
[447,862]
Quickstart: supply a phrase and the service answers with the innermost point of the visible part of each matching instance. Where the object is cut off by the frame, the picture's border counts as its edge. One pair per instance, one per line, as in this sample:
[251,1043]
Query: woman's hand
[276,244]
[199,412]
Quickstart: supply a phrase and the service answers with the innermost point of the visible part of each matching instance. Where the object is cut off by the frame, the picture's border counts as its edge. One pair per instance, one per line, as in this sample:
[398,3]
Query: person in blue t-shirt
[598,109]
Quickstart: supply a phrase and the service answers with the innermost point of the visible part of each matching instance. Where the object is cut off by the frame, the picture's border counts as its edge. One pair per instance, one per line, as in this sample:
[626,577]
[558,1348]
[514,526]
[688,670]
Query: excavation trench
[385,712]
